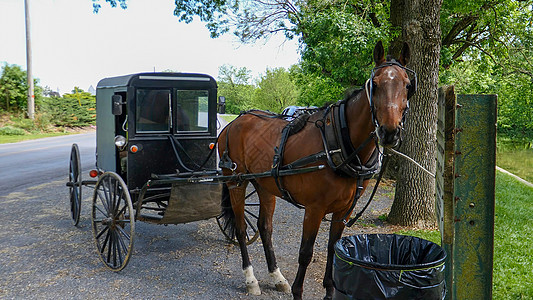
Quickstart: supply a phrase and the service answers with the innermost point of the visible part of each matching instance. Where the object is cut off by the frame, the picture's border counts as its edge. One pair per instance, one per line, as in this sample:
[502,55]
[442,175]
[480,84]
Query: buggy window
[192,110]
[153,109]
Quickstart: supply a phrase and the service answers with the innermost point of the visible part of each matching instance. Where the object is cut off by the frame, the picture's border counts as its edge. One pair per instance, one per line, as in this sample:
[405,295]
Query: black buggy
[155,136]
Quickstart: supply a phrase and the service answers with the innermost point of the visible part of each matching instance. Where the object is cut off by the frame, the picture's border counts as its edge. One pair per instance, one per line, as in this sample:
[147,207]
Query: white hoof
[281,283]
[252,286]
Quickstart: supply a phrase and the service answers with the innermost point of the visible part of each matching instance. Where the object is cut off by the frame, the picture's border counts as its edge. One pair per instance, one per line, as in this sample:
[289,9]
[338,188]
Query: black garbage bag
[388,266]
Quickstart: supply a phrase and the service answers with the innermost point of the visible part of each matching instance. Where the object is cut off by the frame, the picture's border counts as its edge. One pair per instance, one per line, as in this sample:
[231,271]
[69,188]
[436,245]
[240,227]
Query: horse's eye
[408,87]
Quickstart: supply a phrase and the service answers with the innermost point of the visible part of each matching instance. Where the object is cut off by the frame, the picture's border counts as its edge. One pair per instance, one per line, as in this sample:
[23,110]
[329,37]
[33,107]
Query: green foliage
[514,90]
[14,89]
[487,49]
[9,130]
[486,44]
[275,91]
[315,89]
[339,42]
[234,84]
[76,109]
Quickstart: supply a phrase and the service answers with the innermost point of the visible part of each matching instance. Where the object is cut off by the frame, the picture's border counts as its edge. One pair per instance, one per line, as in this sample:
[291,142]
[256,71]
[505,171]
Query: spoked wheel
[74,178]
[113,221]
[226,220]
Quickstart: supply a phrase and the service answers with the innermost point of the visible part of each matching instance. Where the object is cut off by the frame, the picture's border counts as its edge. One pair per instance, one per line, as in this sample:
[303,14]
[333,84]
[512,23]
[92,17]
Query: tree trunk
[397,8]
[414,201]
[396,43]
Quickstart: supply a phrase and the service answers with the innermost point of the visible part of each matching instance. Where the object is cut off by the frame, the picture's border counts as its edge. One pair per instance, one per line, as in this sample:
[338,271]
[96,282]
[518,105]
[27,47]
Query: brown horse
[250,141]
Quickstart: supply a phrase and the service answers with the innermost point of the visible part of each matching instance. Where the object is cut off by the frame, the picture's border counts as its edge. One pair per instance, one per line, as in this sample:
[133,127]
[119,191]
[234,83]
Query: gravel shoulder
[44,257]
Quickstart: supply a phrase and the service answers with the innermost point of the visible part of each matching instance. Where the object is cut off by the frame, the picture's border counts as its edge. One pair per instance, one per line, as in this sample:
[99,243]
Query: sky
[72,46]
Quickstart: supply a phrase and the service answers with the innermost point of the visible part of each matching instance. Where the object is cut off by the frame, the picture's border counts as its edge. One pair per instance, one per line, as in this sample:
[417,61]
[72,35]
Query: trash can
[388,266]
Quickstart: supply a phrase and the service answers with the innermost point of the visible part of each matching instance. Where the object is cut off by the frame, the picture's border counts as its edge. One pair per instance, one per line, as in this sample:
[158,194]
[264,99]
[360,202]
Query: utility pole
[31,96]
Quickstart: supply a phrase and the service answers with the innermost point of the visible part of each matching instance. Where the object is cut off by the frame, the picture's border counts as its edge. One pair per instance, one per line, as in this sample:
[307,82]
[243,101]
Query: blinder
[411,88]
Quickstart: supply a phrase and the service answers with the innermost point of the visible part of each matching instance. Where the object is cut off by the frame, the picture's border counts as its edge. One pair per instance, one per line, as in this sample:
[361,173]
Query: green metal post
[474,172]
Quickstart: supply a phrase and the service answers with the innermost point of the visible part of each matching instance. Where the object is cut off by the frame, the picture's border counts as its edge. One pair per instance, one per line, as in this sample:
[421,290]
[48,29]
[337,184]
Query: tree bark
[396,43]
[396,17]
[414,201]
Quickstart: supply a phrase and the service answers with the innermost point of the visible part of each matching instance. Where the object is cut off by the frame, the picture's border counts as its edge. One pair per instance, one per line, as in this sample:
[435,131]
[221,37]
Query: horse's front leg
[312,221]
[335,232]
[237,194]
[268,205]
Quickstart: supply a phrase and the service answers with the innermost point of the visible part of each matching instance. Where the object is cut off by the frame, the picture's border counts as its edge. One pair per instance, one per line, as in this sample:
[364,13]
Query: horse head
[389,89]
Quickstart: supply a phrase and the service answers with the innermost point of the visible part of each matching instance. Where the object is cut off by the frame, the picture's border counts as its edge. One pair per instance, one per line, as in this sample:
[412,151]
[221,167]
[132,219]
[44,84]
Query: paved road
[42,256]
[35,162]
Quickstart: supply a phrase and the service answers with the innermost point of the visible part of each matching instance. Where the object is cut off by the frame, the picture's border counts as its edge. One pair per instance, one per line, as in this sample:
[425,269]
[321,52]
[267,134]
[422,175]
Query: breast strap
[342,156]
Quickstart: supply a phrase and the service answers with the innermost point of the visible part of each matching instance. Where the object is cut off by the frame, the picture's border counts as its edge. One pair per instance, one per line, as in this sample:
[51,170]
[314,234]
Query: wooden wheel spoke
[117,248]
[250,223]
[251,213]
[104,244]
[116,196]
[250,194]
[101,211]
[108,195]
[122,244]
[101,196]
[124,233]
[112,220]
[226,224]
[106,228]
[110,246]
[121,211]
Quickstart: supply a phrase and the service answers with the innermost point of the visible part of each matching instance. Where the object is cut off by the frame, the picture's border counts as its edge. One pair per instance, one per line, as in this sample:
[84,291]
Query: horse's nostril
[389,136]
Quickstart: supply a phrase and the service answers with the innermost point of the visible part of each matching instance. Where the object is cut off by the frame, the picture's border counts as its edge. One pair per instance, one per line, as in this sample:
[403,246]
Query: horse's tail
[227,216]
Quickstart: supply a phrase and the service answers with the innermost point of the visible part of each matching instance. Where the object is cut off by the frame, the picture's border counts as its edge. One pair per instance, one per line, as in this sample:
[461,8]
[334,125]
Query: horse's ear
[379,54]
[405,55]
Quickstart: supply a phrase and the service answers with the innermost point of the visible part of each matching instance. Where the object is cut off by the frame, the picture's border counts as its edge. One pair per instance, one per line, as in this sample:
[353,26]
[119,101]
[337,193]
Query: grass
[4,139]
[513,239]
[515,156]
[430,235]
[517,161]
[229,118]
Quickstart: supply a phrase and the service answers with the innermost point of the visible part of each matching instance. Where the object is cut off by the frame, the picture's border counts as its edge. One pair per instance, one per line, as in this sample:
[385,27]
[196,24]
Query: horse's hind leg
[237,194]
[268,204]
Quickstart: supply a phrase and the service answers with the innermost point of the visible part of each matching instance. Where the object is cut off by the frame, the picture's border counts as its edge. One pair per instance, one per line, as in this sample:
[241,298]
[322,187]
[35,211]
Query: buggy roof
[170,79]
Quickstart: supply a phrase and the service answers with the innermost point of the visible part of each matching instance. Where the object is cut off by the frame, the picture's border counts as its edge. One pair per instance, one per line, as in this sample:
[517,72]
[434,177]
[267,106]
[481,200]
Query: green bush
[77,109]
[8,130]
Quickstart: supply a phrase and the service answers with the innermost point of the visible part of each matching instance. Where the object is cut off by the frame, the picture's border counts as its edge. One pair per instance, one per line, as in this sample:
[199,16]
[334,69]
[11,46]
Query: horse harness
[339,151]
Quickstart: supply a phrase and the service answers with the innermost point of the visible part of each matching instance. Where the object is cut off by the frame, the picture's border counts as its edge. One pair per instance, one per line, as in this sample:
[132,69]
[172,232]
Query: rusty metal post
[465,180]
[445,177]
[474,172]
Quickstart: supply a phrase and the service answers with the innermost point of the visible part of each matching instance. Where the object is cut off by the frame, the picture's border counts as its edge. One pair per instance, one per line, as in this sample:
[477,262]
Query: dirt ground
[45,257]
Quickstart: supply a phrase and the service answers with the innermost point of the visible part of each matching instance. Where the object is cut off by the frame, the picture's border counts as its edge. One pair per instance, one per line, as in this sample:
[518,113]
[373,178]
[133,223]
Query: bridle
[369,89]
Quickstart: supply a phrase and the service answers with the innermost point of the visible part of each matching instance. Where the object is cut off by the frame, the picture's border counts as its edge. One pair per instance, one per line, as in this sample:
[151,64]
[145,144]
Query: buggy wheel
[113,221]
[226,220]
[74,178]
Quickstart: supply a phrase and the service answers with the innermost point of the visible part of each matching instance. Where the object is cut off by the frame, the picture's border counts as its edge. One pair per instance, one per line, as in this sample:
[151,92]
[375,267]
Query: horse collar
[341,154]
